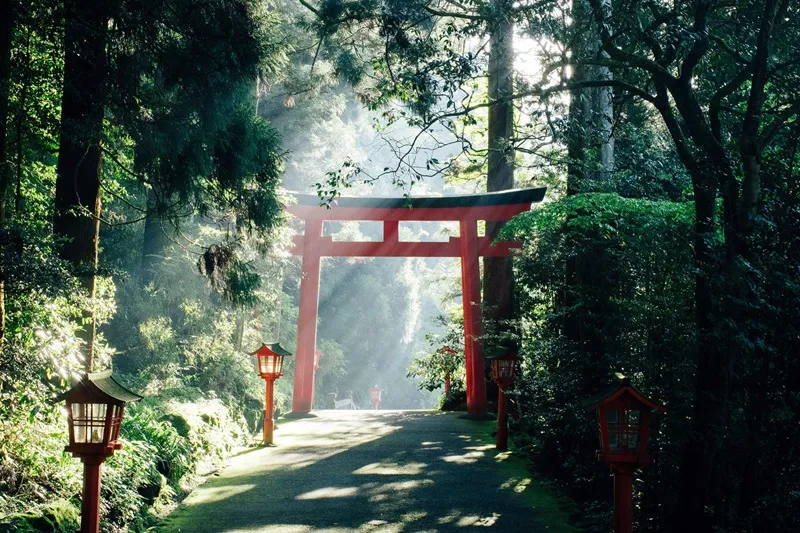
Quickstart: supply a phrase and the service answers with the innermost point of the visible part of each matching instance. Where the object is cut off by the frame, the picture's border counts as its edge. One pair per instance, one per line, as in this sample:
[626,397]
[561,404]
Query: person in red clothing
[375,396]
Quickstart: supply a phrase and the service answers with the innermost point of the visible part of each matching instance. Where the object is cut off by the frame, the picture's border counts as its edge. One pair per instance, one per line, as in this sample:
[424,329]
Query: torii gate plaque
[467,210]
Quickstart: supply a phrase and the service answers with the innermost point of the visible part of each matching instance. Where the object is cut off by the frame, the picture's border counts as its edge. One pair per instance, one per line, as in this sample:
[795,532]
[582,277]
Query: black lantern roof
[104,384]
[621,387]
[275,348]
[501,353]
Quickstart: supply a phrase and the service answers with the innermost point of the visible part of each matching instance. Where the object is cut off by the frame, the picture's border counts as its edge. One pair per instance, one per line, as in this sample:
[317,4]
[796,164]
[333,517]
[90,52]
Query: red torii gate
[466,209]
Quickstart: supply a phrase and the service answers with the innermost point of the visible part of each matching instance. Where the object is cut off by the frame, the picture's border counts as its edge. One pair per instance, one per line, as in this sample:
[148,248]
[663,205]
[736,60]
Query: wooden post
[391,231]
[303,396]
[501,441]
[90,507]
[623,498]
[471,294]
[269,409]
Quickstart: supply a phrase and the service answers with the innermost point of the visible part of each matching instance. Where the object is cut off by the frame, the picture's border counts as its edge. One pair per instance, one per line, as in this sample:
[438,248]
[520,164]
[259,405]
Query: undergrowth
[169,443]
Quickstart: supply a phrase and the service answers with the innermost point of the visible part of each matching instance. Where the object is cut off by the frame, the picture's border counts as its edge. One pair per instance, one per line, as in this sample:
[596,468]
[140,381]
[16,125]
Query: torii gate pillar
[468,246]
[471,298]
[303,397]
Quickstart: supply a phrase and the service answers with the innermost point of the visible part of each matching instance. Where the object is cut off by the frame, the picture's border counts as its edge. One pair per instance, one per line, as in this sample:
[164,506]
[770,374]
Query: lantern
[450,353]
[270,367]
[623,419]
[94,413]
[504,370]
[270,360]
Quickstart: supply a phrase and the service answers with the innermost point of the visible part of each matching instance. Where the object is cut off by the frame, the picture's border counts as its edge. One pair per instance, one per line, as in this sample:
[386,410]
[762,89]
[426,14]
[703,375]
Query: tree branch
[675,131]
[749,146]
[728,50]
[715,105]
[701,42]
[308,6]
[775,126]
[634,60]
[452,14]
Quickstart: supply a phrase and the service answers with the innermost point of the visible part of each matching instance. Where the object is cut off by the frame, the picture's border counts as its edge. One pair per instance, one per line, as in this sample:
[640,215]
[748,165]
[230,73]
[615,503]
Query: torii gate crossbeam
[467,210]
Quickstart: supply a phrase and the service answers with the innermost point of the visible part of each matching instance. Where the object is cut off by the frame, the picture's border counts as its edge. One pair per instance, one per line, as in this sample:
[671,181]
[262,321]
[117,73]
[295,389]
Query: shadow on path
[344,471]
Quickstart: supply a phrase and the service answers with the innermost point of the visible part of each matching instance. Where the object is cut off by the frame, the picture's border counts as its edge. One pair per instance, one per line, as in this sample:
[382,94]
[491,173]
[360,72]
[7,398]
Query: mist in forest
[374,313]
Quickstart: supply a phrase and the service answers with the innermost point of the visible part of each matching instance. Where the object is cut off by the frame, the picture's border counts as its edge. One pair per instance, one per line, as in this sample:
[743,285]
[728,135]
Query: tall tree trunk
[497,272]
[76,222]
[238,335]
[155,242]
[709,418]
[722,285]
[590,150]
[6,32]
[590,139]
[283,287]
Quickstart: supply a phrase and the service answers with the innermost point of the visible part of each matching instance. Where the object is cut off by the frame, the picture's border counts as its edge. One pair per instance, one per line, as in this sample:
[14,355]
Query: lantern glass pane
[623,430]
[116,420]
[269,364]
[503,370]
[264,361]
[506,368]
[89,422]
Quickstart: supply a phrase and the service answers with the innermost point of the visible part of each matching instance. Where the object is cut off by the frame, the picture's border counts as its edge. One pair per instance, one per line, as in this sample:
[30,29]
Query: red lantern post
[623,418]
[375,396]
[94,412]
[504,370]
[270,367]
[450,353]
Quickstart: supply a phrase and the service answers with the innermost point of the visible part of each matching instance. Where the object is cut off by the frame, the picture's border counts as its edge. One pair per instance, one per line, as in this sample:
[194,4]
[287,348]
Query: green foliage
[60,516]
[186,79]
[184,145]
[166,443]
[34,464]
[635,299]
[241,284]
[608,215]
[445,358]
[456,400]
[167,435]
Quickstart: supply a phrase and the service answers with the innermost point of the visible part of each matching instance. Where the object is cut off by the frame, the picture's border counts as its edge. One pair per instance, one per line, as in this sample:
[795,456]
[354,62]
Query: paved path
[347,471]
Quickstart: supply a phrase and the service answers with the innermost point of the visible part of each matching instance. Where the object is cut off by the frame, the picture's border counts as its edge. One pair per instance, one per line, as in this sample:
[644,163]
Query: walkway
[381,471]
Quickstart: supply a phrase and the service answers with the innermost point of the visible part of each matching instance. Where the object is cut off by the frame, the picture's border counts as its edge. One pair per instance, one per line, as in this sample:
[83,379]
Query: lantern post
[375,396]
[270,367]
[623,419]
[95,406]
[504,371]
[449,353]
